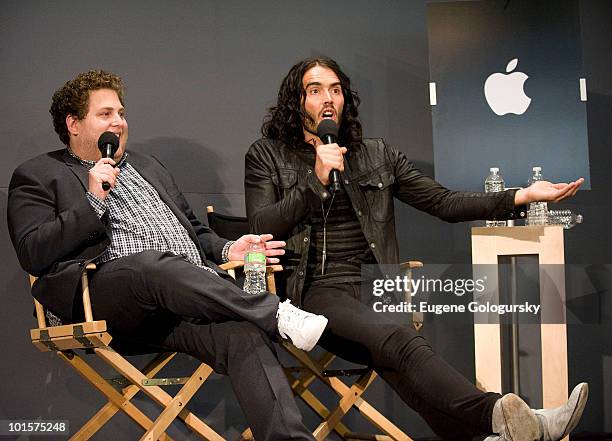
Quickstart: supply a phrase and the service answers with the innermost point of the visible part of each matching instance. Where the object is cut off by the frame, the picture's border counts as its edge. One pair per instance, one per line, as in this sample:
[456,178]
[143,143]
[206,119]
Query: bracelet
[225,251]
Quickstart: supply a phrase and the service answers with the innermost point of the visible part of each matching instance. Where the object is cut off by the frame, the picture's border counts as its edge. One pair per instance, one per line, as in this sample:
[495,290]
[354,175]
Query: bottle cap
[494,169]
[537,169]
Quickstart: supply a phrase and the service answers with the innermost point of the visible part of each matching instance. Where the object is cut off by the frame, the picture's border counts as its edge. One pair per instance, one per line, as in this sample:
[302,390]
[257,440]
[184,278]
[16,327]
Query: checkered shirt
[140,220]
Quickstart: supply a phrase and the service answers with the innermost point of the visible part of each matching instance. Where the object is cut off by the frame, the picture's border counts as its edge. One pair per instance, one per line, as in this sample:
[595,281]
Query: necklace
[324,257]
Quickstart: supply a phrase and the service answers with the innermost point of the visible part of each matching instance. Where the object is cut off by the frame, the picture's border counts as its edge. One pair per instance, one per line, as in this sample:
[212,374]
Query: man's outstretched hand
[544,191]
[273,247]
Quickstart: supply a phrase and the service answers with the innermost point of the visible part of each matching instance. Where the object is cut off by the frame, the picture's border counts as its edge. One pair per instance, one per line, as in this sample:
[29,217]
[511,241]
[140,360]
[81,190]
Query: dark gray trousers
[158,301]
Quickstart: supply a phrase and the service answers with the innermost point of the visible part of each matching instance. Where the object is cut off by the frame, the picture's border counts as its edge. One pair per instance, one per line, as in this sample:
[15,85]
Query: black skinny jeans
[453,407]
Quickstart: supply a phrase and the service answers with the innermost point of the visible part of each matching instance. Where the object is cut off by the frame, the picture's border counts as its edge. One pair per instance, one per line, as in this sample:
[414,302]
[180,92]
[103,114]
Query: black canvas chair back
[229,227]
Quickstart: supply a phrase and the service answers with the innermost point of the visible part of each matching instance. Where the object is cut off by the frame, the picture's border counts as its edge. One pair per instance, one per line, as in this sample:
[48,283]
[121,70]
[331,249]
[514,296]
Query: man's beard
[309,124]
[307,127]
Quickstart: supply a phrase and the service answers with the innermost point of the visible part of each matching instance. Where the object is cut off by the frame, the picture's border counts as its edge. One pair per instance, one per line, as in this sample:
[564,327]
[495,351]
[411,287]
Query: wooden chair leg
[109,392]
[369,412]
[380,421]
[345,392]
[300,385]
[110,409]
[316,405]
[347,401]
[178,403]
[158,394]
[247,435]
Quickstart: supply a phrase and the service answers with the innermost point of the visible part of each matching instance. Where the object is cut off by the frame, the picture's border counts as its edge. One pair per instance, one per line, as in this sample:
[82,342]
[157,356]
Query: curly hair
[73,98]
[285,120]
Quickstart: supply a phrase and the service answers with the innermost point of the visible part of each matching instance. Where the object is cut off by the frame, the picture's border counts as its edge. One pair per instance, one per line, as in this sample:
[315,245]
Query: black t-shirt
[347,248]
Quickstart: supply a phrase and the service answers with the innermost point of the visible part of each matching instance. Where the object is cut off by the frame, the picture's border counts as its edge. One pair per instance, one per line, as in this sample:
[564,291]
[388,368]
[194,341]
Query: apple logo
[504,92]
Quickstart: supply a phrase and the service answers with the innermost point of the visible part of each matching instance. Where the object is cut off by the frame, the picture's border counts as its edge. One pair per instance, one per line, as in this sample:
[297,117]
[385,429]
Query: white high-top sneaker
[303,328]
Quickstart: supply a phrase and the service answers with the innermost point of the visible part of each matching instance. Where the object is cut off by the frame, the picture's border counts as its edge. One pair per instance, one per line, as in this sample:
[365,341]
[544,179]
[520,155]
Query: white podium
[547,243]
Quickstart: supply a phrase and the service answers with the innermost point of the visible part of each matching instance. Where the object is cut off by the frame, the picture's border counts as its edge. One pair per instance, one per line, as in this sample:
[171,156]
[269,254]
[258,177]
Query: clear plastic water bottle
[538,211]
[566,218]
[255,269]
[493,184]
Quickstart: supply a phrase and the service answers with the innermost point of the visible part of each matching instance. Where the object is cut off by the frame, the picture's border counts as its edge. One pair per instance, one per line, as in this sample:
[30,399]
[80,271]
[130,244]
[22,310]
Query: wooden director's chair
[93,336]
[310,368]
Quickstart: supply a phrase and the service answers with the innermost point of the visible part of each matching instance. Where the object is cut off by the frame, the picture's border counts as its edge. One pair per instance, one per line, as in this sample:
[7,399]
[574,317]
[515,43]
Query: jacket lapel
[77,168]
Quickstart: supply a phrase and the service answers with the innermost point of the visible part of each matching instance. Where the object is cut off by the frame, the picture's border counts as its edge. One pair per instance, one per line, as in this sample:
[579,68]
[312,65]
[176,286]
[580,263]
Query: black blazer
[56,232]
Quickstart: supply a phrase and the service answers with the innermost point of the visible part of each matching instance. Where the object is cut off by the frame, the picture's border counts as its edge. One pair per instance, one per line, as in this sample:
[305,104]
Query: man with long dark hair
[331,234]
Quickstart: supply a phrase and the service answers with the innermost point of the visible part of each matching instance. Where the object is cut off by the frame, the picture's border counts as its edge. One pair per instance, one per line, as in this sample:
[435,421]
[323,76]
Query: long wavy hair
[285,121]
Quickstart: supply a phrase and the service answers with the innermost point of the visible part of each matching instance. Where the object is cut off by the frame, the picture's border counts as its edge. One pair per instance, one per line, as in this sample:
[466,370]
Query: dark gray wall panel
[203,73]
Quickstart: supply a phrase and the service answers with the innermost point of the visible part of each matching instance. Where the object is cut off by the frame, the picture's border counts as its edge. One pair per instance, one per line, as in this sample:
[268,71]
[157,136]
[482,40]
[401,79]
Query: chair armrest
[239,263]
[270,270]
[233,264]
[411,264]
[417,317]
[273,268]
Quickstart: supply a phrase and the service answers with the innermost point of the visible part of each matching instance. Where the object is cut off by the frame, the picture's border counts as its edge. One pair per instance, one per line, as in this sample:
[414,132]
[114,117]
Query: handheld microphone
[327,131]
[108,143]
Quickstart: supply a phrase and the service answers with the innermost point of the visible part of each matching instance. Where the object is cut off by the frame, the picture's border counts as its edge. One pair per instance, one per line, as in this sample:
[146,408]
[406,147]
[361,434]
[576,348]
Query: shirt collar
[89,164]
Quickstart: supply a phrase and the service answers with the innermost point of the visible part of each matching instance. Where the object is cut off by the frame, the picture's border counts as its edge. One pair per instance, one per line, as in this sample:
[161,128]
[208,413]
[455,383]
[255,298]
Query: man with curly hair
[331,233]
[157,283]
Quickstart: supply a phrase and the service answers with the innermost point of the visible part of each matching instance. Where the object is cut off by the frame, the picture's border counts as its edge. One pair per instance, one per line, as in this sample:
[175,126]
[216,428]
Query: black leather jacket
[281,188]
